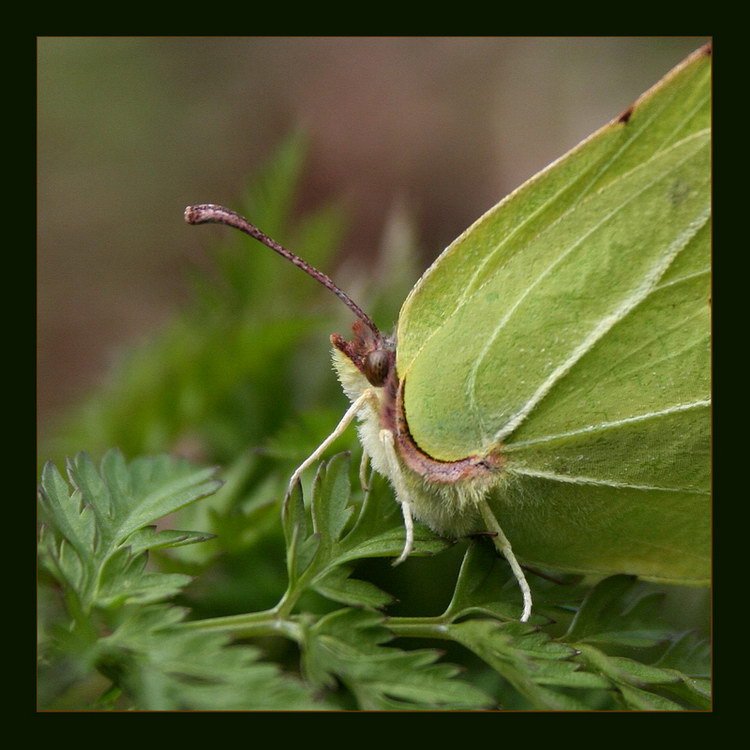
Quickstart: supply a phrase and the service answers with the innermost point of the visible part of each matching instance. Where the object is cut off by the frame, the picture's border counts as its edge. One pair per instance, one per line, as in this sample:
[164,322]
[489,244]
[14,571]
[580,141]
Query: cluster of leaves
[290,610]
[116,619]
[93,551]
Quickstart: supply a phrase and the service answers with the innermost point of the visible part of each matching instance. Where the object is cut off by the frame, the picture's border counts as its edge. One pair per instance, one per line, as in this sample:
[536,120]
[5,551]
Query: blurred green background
[132,129]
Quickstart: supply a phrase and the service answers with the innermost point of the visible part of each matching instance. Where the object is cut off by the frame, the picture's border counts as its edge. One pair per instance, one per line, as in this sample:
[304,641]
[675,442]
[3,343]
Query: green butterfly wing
[570,326]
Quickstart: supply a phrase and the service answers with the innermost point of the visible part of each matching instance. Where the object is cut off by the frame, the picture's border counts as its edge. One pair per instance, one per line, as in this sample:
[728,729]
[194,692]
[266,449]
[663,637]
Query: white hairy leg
[502,543]
[402,494]
[351,412]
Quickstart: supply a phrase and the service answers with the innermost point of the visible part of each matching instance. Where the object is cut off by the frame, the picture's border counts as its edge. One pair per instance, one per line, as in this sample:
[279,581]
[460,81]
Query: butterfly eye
[377,365]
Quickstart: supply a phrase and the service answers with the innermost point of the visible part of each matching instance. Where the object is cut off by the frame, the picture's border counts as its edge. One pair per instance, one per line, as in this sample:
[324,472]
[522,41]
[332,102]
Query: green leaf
[97,534]
[336,584]
[636,682]
[123,579]
[347,645]
[321,559]
[621,669]
[641,700]
[330,499]
[523,657]
[484,585]
[301,548]
[162,668]
[160,490]
[149,538]
[116,627]
[65,514]
[294,517]
[688,653]
[615,611]
[379,529]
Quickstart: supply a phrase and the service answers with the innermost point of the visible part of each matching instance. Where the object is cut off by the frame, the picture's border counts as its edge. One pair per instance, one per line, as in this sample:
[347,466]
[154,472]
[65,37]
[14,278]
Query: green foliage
[294,604]
[118,621]
[93,548]
[95,539]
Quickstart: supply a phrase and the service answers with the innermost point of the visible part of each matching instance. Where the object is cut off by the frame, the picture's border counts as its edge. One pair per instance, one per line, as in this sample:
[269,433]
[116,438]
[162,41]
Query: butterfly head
[372,353]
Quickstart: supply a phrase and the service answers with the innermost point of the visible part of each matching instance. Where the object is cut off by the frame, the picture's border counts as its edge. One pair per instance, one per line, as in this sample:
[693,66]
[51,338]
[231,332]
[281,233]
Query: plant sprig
[94,546]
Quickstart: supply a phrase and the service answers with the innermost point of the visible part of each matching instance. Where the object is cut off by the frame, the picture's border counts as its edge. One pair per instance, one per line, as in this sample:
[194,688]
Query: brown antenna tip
[210,213]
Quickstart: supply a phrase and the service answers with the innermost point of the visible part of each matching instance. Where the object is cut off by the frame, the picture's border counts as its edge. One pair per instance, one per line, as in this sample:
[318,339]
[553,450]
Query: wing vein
[666,143]
[582,480]
[687,277]
[641,292]
[619,369]
[602,426]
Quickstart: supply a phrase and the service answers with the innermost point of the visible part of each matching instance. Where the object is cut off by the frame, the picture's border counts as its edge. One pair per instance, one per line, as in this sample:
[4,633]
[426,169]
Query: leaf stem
[269,622]
[419,627]
[273,622]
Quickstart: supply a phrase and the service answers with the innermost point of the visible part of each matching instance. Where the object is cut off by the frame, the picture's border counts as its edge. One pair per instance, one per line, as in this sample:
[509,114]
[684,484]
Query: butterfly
[548,381]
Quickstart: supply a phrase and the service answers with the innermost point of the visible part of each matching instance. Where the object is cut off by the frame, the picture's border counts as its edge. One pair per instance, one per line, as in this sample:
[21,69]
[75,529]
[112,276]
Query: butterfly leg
[363,481]
[323,447]
[402,493]
[503,545]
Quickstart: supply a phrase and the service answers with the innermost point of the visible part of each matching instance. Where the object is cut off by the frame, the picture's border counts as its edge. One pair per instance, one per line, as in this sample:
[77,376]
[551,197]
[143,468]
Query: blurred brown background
[132,129]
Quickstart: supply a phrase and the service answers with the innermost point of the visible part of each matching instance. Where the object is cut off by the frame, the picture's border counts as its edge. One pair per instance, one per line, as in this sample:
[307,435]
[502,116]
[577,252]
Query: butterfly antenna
[209,213]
